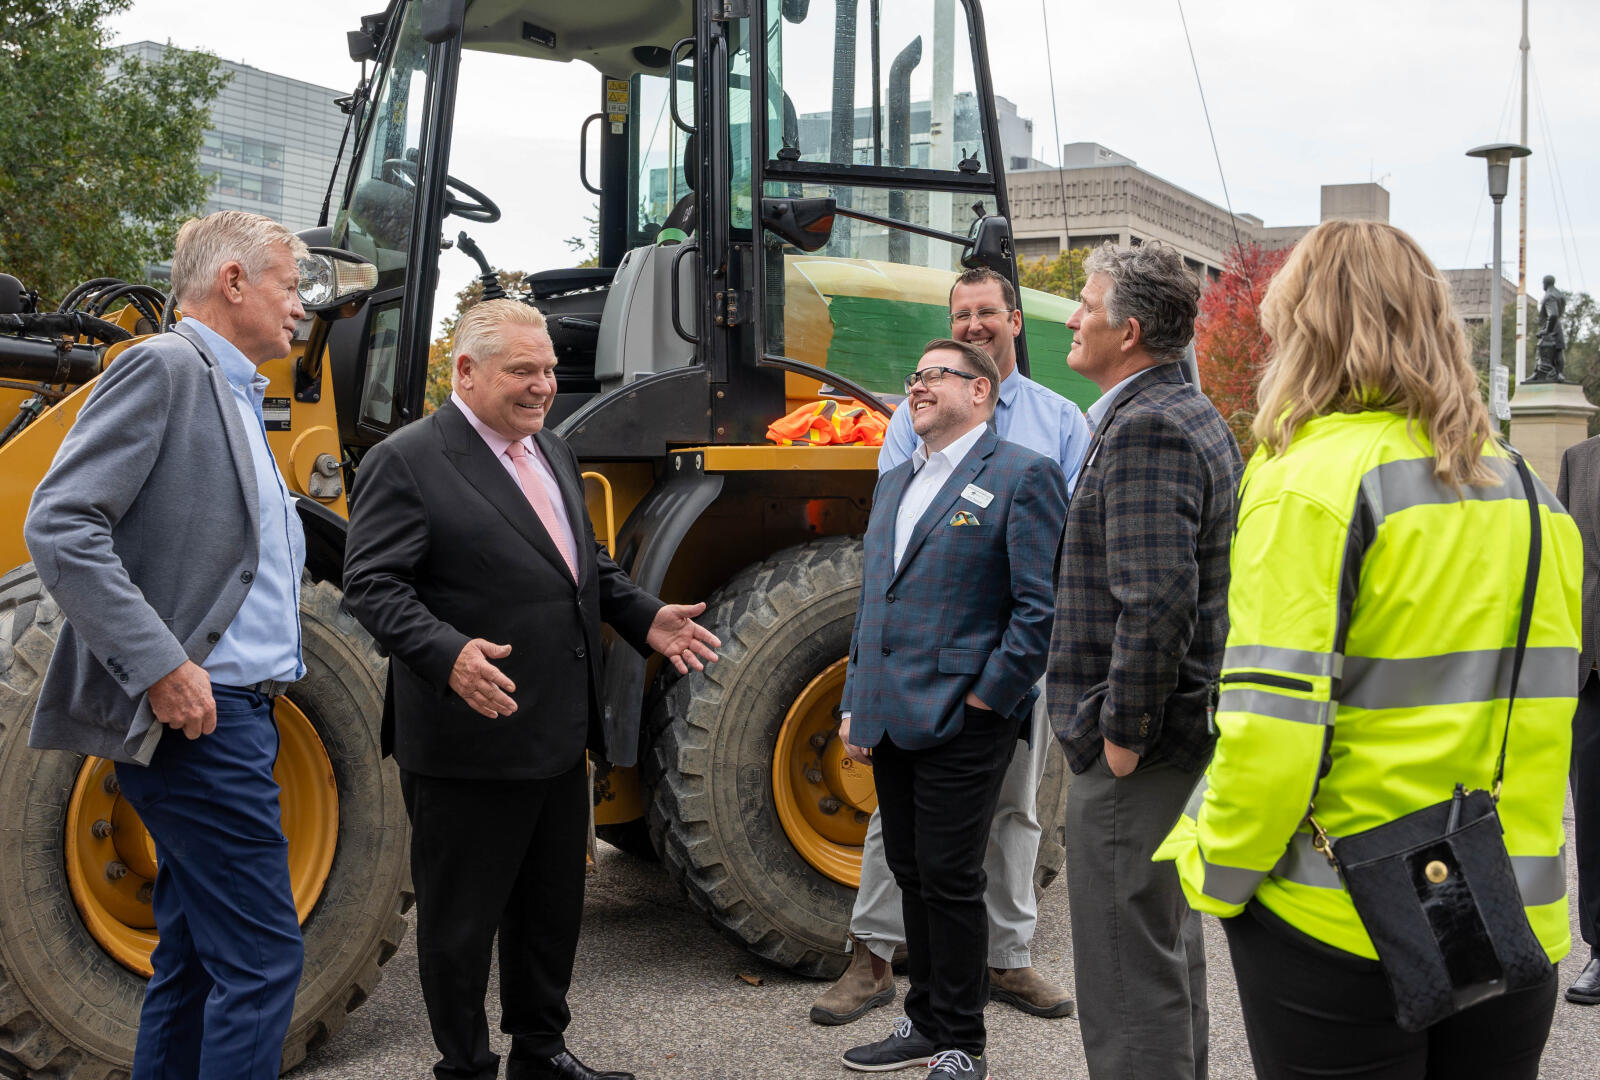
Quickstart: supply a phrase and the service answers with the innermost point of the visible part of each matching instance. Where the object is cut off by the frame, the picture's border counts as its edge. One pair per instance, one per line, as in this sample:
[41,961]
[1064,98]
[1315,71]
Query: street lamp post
[1498,156]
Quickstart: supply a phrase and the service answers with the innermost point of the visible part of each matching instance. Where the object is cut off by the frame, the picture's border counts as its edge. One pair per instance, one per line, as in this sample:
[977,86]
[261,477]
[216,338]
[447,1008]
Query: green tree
[100,150]
[1060,276]
[438,385]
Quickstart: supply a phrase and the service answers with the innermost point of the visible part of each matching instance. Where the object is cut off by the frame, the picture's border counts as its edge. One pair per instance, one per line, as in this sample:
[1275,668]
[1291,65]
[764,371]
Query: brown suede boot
[1029,991]
[866,984]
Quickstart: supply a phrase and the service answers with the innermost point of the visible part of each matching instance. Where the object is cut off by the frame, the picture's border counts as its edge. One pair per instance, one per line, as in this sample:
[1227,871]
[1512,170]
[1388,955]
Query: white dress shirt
[497,445]
[930,473]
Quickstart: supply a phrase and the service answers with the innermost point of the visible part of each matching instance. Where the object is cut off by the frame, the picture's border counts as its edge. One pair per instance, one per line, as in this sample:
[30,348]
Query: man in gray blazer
[1579,489]
[164,531]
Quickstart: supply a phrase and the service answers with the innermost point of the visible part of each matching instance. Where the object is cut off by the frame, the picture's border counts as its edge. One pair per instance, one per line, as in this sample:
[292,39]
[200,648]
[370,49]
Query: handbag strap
[1321,842]
[1535,545]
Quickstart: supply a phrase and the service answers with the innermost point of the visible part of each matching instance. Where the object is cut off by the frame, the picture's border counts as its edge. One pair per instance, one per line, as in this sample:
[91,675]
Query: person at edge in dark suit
[471,559]
[1143,603]
[1579,490]
[950,638]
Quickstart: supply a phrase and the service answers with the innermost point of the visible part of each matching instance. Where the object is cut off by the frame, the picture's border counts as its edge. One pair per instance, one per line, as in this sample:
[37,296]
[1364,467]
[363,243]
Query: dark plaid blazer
[971,605]
[1142,593]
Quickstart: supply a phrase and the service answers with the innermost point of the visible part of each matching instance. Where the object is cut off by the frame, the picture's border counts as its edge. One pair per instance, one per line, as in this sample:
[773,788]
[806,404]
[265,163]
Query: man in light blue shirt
[983,312]
[164,531]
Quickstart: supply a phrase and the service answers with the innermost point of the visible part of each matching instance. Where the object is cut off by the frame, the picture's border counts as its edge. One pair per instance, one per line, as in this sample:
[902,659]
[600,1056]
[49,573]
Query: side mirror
[805,223]
[333,282]
[991,247]
[442,19]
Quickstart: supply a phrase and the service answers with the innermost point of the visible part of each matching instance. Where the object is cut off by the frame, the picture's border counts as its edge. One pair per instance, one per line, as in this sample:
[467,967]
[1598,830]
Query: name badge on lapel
[975,494]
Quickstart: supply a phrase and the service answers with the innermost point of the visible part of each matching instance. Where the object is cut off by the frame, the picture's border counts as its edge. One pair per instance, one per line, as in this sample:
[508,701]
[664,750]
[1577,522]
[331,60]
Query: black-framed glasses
[983,314]
[930,376]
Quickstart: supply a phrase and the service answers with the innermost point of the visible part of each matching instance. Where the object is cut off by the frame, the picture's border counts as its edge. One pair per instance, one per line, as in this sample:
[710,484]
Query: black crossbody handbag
[1435,889]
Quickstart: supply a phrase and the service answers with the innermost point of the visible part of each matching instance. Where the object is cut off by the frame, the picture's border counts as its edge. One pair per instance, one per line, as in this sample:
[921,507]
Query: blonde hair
[477,334]
[205,244]
[1360,319]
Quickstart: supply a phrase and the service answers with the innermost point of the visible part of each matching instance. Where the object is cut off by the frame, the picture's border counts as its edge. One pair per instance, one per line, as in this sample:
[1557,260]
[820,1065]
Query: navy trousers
[228,963]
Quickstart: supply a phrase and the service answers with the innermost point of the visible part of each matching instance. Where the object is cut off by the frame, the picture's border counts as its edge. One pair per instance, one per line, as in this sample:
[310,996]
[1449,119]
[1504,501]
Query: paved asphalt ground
[658,991]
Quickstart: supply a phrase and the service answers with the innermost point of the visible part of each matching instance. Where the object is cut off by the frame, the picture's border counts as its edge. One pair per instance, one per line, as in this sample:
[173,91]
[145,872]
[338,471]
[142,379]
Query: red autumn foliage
[1228,340]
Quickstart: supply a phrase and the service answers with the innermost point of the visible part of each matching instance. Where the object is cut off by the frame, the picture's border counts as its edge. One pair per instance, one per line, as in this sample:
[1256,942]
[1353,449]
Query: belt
[267,688]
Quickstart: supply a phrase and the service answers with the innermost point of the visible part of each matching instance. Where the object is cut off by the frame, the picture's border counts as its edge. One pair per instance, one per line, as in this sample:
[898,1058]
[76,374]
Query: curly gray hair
[1149,283]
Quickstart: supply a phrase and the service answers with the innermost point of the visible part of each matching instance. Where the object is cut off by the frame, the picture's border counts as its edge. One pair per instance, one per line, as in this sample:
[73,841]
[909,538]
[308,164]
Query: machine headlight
[331,278]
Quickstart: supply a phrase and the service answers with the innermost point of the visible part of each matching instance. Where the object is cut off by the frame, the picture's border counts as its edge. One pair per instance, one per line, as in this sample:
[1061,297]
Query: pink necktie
[539,499]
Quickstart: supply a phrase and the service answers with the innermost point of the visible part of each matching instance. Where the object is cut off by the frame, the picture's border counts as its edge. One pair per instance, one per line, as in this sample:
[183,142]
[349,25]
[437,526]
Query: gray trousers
[1138,956]
[1013,848]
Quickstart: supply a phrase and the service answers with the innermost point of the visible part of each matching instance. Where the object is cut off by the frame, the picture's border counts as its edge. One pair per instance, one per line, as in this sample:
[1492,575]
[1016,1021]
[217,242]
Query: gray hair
[205,244]
[477,334]
[1149,283]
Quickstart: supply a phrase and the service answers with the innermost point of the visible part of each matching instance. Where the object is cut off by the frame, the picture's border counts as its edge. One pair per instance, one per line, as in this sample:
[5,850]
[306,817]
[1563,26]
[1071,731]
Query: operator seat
[636,332]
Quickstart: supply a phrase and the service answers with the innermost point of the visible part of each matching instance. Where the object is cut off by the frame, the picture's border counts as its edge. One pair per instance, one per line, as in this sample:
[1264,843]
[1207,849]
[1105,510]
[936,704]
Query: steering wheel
[462,200]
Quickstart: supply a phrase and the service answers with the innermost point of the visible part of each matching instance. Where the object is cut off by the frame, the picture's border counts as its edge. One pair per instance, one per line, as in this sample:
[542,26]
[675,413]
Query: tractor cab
[641,161]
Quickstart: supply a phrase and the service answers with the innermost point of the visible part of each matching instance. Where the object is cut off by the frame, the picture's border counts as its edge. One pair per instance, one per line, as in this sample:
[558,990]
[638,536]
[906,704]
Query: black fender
[646,545]
[325,535]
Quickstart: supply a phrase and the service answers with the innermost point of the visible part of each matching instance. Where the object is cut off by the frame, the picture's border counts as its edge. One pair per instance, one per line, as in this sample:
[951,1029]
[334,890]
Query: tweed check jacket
[1579,491]
[970,607]
[1142,594]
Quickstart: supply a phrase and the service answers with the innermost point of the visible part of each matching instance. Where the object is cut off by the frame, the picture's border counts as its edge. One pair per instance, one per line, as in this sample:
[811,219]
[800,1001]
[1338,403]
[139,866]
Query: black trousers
[1586,808]
[937,805]
[1311,1010]
[492,856]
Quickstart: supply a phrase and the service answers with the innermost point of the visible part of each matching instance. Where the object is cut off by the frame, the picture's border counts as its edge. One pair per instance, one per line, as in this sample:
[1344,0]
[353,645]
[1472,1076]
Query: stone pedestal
[1546,418]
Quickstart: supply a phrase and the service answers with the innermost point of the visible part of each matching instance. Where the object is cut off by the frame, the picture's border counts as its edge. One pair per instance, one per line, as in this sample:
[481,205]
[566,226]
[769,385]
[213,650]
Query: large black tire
[708,775]
[67,1009]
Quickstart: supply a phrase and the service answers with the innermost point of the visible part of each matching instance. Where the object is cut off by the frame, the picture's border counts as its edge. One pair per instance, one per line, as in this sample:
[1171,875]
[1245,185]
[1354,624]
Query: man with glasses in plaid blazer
[950,638]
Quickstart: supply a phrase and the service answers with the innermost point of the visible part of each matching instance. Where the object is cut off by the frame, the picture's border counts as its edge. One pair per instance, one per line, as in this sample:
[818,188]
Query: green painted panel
[876,342]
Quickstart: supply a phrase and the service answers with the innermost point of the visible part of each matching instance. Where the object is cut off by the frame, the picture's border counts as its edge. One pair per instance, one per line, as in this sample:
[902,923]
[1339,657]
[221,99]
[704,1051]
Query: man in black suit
[1579,489]
[471,559]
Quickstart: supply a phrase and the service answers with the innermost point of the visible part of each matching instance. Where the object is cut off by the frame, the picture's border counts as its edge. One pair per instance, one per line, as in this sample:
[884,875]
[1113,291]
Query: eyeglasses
[983,314]
[931,376]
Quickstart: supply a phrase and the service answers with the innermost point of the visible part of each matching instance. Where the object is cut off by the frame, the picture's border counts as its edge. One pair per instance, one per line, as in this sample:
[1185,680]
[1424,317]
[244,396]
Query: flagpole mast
[1522,215]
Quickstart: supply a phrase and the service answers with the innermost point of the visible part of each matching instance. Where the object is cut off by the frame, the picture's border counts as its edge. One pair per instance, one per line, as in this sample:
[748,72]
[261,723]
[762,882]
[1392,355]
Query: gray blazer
[145,531]
[1579,491]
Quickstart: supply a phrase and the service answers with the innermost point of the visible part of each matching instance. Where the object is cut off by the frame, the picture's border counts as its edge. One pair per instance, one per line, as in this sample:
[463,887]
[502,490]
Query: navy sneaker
[958,1065]
[905,1048]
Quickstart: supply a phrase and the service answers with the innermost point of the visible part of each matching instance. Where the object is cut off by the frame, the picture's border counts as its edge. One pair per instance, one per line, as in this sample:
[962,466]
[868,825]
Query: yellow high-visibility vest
[1370,598]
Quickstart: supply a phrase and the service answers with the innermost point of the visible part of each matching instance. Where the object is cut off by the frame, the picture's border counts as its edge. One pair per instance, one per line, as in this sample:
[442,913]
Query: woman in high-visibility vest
[1378,569]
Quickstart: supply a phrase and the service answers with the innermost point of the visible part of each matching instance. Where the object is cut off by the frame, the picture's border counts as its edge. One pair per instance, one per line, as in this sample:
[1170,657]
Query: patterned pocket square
[964,517]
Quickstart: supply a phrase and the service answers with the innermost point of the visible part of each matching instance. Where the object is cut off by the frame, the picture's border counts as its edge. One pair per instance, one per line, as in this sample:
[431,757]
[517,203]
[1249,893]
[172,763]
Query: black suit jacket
[443,548]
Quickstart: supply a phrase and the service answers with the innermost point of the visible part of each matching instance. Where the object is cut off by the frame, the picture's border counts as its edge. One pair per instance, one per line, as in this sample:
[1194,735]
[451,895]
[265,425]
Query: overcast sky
[1301,93]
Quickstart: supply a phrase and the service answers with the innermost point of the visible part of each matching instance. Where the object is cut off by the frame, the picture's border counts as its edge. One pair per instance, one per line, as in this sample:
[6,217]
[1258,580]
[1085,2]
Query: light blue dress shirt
[1028,414]
[1097,411]
[263,641]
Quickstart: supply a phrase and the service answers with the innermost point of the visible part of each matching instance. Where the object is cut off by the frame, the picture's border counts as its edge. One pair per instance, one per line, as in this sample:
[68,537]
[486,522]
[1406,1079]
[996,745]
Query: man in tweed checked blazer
[1142,597]
[950,638]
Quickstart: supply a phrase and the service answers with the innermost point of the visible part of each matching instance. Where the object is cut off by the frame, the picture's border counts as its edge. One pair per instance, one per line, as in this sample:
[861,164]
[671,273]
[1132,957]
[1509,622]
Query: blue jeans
[228,962]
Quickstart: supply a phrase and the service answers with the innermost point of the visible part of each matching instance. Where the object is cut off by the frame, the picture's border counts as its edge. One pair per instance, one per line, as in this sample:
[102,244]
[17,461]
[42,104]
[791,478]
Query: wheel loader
[784,191]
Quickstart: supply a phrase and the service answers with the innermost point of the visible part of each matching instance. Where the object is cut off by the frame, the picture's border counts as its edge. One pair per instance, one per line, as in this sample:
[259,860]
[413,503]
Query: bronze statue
[1552,339]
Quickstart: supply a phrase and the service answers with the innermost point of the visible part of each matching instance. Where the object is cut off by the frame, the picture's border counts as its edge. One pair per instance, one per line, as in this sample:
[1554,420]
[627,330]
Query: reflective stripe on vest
[1456,678]
[1542,879]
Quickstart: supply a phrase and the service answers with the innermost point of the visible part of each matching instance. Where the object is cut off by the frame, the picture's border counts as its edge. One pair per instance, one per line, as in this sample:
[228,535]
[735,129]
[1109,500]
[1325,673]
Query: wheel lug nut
[101,829]
[116,871]
[110,784]
[828,804]
[814,776]
[145,893]
[862,817]
[818,741]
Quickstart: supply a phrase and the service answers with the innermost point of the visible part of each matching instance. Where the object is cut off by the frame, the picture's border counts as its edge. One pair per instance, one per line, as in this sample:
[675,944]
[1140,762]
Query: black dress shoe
[561,1067]
[1585,989]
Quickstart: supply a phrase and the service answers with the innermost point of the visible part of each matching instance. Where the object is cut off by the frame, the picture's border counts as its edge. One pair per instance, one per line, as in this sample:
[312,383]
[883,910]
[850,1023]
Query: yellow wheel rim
[824,799]
[111,860]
